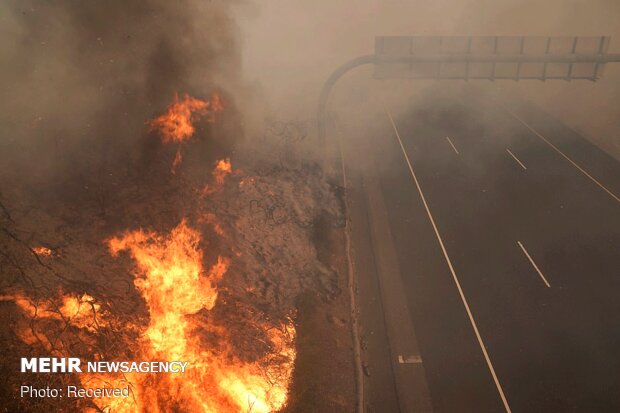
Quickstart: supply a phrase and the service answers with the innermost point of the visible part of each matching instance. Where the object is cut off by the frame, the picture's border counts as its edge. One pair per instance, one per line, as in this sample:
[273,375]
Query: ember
[42,251]
[222,168]
[178,158]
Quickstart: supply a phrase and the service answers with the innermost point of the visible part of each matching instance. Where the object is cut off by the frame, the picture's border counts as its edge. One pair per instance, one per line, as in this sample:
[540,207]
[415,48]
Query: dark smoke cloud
[80,78]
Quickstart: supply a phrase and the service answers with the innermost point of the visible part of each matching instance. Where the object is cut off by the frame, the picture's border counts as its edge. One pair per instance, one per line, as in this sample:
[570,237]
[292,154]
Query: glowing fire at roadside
[180,293]
[169,275]
[171,278]
[172,282]
[80,310]
[178,158]
[211,219]
[223,167]
[42,251]
[177,124]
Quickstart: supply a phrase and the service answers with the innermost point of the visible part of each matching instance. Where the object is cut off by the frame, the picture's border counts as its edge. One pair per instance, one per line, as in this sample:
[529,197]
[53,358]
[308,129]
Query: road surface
[508,258]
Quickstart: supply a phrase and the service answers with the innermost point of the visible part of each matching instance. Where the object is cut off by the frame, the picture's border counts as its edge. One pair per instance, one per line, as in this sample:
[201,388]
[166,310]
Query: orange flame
[223,167]
[178,158]
[174,284]
[171,267]
[42,251]
[178,292]
[177,124]
[211,219]
[83,312]
[80,310]
[170,276]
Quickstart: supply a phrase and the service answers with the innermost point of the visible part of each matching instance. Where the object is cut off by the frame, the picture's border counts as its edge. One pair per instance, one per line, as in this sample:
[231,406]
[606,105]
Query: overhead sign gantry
[480,57]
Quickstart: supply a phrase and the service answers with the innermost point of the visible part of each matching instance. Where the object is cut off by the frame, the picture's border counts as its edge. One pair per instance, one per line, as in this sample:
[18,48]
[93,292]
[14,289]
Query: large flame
[171,278]
[172,281]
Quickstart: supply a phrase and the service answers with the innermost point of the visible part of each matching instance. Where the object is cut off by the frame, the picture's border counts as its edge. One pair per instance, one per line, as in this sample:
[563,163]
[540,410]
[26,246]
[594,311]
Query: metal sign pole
[404,53]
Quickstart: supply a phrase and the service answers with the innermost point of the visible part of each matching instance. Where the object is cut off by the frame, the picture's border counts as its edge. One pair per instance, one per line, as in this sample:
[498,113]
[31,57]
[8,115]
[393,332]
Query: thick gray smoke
[81,78]
[294,46]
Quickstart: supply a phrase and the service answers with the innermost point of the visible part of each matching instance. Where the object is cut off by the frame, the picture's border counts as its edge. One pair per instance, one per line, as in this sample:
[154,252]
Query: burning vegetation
[217,288]
[42,251]
[177,124]
[179,293]
[174,285]
[136,225]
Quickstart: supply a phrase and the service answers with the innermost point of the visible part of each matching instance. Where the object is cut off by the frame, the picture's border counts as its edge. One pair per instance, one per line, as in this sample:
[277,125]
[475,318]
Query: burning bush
[213,281]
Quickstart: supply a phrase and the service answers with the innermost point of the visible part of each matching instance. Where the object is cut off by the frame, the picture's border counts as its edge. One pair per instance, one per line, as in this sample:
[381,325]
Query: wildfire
[80,311]
[179,291]
[83,312]
[223,167]
[172,282]
[171,278]
[178,158]
[42,251]
[177,124]
[211,219]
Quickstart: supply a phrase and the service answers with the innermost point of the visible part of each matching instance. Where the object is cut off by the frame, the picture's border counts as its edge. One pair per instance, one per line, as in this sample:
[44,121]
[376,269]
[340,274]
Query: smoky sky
[291,47]
[81,78]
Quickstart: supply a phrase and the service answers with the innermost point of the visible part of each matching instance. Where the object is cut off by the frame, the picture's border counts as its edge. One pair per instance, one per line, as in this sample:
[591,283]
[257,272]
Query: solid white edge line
[409,359]
[534,264]
[516,159]
[454,276]
[451,144]
[514,115]
[352,286]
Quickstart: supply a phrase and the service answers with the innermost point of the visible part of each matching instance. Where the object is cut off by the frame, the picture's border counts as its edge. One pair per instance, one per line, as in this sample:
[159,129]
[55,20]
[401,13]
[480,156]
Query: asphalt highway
[506,229]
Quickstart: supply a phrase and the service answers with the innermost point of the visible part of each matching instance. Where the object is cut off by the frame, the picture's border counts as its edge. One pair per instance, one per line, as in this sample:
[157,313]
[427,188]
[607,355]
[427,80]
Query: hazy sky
[290,47]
